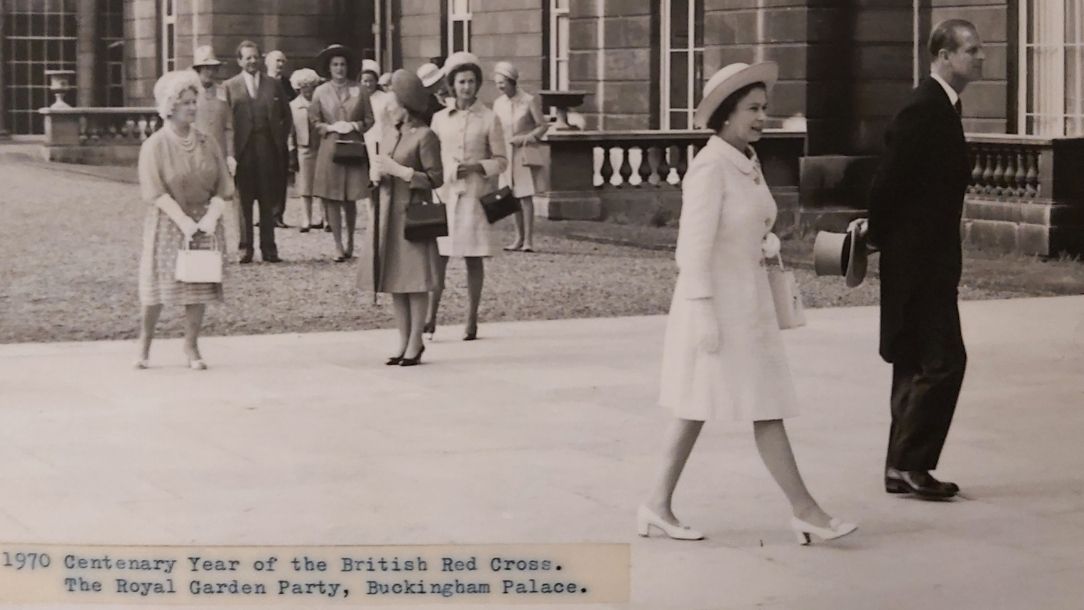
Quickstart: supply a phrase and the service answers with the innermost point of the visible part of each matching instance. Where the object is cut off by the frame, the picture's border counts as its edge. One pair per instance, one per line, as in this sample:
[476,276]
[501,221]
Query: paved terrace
[547,432]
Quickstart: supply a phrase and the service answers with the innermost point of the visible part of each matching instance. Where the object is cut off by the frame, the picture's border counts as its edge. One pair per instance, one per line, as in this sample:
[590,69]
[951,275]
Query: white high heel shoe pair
[647,518]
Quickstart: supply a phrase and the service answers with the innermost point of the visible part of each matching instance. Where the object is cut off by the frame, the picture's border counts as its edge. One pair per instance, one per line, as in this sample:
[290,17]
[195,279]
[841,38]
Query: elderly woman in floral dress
[184,181]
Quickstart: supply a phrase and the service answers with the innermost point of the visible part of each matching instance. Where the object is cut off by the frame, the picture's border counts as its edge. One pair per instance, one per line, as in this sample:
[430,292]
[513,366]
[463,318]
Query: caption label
[346,575]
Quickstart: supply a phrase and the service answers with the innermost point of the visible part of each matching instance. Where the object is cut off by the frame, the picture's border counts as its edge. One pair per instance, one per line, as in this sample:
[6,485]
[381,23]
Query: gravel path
[70,244]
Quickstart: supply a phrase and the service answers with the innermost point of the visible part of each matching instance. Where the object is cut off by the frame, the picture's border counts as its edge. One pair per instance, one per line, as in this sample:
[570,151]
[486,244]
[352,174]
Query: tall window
[558,45]
[111,29]
[1052,67]
[169,35]
[682,70]
[39,36]
[458,26]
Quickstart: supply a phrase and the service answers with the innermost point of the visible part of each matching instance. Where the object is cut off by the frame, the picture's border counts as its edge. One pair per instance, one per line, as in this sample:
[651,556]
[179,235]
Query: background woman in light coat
[304,142]
[524,125]
[723,354]
[473,153]
[340,110]
[184,181]
[407,170]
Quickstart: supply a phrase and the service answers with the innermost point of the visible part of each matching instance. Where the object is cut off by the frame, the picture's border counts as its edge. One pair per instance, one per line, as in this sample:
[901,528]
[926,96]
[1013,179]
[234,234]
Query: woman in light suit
[340,110]
[473,153]
[723,354]
[524,125]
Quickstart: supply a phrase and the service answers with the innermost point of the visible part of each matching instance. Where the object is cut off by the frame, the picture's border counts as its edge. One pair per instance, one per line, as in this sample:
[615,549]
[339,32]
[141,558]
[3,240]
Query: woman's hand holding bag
[770,246]
[209,222]
[709,338]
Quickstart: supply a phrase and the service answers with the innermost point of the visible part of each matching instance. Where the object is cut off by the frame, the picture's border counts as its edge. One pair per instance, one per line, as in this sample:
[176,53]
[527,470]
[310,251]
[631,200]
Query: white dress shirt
[252,83]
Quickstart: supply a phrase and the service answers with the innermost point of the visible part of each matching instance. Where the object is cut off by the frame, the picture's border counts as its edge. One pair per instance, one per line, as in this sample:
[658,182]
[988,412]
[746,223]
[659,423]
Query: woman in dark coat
[408,170]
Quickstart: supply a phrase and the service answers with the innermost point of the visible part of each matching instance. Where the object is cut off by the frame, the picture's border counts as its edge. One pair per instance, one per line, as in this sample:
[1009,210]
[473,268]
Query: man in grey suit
[261,126]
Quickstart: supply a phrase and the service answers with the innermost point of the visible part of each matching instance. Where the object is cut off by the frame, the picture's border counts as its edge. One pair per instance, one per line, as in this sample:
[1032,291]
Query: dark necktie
[959,108]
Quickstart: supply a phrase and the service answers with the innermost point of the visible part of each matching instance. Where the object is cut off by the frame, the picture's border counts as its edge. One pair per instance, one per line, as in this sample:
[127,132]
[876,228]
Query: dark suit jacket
[915,206]
[270,96]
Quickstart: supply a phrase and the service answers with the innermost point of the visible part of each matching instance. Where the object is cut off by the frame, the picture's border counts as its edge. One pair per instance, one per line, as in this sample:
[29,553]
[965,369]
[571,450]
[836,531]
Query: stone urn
[60,82]
[562,101]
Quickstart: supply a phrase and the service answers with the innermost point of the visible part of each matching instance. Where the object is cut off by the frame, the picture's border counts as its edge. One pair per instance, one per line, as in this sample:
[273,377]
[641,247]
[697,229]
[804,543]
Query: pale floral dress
[191,171]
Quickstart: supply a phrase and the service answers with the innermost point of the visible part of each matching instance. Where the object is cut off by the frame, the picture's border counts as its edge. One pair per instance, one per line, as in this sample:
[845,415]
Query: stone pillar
[86,53]
[3,68]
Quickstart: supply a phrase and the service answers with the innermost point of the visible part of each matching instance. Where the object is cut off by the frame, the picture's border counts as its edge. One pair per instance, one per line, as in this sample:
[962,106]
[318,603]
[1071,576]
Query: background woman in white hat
[723,354]
[473,154]
[304,141]
[524,125]
[184,181]
[340,110]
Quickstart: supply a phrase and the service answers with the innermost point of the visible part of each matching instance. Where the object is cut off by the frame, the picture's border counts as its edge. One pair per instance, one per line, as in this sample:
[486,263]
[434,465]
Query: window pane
[698,77]
[679,24]
[457,36]
[698,23]
[679,80]
[679,120]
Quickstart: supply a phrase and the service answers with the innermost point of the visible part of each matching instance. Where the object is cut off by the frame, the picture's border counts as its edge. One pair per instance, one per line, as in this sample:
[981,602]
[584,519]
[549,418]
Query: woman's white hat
[170,86]
[369,65]
[728,80]
[304,77]
[430,74]
[460,59]
[506,70]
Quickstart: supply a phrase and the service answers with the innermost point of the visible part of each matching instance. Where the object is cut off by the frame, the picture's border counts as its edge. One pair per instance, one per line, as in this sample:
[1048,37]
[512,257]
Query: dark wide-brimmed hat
[409,90]
[842,254]
[323,60]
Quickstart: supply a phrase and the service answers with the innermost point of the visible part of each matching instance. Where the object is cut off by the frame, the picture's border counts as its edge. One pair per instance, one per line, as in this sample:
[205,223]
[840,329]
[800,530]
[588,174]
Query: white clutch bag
[199,266]
[788,299]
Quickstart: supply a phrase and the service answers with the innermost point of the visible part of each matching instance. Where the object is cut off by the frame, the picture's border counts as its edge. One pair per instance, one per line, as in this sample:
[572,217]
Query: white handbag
[199,266]
[788,299]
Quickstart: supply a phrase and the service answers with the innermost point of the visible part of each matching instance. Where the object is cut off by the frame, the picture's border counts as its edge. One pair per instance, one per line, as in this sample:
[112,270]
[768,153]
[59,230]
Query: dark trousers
[258,177]
[926,377]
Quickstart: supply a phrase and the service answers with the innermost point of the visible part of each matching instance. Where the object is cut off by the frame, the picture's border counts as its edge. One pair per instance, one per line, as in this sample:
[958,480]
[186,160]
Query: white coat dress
[473,135]
[727,210]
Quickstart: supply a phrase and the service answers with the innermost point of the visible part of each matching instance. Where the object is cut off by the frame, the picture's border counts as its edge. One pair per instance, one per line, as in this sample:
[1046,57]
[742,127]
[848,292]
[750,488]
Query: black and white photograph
[351,303]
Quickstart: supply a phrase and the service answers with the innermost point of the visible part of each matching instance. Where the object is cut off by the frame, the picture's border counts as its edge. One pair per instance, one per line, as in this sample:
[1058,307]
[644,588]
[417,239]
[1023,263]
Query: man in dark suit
[261,126]
[915,207]
[275,62]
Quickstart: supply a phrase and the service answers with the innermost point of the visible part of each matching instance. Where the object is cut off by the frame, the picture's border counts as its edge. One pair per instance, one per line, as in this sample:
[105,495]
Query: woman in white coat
[723,354]
[473,153]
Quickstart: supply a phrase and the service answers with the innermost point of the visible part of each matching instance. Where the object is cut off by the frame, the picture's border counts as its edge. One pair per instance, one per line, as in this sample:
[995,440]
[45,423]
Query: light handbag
[788,299]
[500,204]
[199,266]
[425,221]
[533,155]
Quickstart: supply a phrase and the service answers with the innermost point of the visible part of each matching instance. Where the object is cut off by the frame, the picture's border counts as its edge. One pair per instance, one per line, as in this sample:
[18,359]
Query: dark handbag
[500,204]
[350,152]
[425,221]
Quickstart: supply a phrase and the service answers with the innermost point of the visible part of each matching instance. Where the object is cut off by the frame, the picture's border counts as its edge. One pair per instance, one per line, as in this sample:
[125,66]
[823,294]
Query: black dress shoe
[246,258]
[272,258]
[918,482]
[281,225]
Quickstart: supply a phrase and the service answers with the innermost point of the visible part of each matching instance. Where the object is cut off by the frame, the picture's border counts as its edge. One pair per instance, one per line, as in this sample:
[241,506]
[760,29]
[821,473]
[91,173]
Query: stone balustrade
[97,136]
[1026,194]
[636,175]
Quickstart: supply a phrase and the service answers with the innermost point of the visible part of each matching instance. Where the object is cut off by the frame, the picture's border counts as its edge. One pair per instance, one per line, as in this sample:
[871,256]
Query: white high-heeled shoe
[835,529]
[646,518]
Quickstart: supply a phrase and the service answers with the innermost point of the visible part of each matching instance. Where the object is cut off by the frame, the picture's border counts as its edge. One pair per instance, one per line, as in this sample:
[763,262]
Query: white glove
[342,127]
[770,246]
[231,165]
[171,208]
[188,227]
[209,221]
[707,327]
[387,166]
[374,174]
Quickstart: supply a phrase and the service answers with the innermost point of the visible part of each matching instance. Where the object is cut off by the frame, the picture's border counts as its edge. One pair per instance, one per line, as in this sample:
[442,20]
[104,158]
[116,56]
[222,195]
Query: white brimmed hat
[728,80]
[430,74]
[369,65]
[205,56]
[458,60]
[842,254]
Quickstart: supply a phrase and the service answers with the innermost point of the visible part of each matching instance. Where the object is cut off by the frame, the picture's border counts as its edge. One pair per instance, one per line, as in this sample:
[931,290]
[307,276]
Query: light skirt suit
[727,210]
[306,139]
[469,136]
[519,115]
